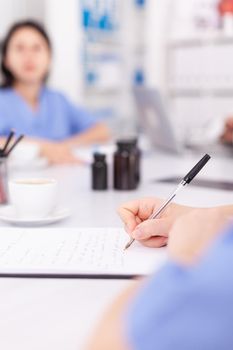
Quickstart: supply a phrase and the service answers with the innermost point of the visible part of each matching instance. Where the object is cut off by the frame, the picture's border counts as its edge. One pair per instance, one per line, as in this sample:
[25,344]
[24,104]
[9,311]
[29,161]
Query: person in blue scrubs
[29,107]
[188,303]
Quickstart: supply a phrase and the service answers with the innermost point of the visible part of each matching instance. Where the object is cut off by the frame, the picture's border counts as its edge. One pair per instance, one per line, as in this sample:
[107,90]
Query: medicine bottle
[99,172]
[138,159]
[126,166]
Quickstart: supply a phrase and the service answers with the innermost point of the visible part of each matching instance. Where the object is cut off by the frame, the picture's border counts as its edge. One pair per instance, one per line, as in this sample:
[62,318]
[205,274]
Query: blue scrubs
[187,308]
[56,117]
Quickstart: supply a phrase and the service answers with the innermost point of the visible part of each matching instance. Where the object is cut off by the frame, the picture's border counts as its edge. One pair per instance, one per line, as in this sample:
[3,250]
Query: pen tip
[129,244]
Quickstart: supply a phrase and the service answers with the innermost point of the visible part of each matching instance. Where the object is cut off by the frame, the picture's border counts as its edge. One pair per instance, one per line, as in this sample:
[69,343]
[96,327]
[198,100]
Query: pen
[185,181]
[14,145]
[8,140]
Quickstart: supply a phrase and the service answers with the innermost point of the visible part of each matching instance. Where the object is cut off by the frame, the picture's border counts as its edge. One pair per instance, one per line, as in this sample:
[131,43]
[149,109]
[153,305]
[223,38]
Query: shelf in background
[199,42]
[177,93]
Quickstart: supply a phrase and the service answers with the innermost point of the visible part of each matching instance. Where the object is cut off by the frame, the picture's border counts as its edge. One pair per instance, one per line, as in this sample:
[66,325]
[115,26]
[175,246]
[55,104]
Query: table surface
[60,314]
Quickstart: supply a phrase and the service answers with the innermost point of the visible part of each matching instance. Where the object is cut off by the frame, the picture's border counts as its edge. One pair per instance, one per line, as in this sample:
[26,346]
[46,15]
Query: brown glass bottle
[137,152]
[99,172]
[126,166]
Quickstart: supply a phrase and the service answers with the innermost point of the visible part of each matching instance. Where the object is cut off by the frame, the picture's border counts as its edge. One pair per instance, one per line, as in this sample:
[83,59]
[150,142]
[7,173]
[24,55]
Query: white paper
[74,251]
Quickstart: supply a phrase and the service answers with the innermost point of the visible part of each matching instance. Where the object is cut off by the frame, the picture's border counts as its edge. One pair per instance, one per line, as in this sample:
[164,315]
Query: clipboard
[93,253]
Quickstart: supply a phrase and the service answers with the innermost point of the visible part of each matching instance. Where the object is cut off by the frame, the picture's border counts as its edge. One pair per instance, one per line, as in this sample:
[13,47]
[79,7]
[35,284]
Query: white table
[59,314]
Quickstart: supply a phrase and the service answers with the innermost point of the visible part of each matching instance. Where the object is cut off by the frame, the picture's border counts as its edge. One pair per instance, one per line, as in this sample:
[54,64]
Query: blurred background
[104,48]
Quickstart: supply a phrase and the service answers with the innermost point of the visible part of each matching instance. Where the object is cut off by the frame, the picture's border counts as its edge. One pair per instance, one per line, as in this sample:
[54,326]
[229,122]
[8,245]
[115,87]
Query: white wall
[13,10]
[62,18]
[159,20]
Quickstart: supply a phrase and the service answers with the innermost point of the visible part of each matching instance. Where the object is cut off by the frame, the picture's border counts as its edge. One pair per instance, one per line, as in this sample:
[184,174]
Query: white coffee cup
[25,153]
[33,198]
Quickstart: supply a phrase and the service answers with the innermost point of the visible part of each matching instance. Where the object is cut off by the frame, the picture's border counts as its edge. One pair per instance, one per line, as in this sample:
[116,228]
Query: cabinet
[199,80]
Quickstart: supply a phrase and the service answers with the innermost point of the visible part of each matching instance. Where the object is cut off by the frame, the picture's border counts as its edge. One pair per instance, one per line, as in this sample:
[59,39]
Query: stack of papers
[74,252]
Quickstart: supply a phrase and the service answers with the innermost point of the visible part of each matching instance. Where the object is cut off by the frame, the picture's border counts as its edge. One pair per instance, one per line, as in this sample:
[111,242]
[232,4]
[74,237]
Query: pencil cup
[3,181]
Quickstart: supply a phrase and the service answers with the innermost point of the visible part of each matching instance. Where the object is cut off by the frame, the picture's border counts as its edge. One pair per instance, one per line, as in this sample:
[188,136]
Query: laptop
[154,120]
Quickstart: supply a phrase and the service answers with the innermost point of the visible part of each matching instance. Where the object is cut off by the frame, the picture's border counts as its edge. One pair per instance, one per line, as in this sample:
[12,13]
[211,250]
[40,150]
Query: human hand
[227,136]
[58,153]
[192,233]
[151,233]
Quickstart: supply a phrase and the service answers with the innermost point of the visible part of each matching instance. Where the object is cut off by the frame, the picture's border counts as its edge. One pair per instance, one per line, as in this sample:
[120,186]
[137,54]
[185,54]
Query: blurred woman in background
[45,116]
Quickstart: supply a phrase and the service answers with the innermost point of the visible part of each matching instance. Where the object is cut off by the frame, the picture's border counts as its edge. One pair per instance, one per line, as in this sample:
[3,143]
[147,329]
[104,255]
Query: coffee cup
[25,153]
[33,198]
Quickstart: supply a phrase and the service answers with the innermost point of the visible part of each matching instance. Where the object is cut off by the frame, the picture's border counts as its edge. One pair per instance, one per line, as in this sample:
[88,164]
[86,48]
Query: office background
[103,48]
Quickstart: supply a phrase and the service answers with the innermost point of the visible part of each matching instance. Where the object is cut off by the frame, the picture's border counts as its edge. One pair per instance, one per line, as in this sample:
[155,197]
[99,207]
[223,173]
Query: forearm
[97,134]
[192,234]
[226,211]
[110,333]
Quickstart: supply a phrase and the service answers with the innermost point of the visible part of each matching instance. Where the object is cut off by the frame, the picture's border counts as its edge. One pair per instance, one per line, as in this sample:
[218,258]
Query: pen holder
[3,181]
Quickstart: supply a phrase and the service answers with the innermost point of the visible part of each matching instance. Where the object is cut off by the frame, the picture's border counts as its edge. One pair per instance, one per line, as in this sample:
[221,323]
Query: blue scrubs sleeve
[4,119]
[80,118]
[4,129]
[56,118]
[186,308]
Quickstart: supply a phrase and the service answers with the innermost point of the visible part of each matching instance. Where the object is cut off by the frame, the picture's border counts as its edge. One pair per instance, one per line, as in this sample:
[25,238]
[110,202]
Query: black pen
[8,140]
[185,181]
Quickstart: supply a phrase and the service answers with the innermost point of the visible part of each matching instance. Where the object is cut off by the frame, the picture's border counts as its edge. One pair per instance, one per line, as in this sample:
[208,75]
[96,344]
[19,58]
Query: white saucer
[7,214]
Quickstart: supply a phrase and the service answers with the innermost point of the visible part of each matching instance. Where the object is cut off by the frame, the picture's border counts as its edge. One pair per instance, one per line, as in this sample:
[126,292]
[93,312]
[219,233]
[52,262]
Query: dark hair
[8,78]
